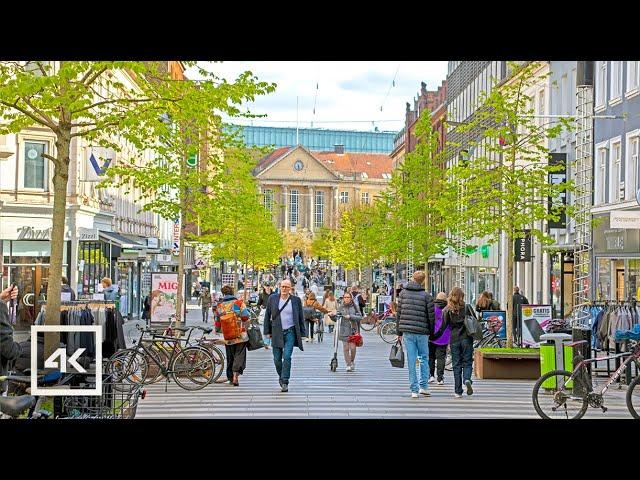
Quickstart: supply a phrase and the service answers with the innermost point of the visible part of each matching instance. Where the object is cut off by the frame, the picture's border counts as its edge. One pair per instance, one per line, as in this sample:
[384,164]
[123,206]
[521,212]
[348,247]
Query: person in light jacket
[331,304]
[205,300]
[349,325]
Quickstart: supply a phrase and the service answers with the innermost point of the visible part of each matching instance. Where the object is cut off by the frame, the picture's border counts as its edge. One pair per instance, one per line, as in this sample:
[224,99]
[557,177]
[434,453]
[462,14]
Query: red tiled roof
[373,164]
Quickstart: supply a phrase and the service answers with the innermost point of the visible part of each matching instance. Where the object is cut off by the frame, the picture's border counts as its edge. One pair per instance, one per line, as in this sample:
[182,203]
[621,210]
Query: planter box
[523,366]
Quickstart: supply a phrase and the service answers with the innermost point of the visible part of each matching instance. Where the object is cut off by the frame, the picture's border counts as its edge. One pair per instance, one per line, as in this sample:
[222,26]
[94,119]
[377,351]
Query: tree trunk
[60,181]
[180,297]
[510,310]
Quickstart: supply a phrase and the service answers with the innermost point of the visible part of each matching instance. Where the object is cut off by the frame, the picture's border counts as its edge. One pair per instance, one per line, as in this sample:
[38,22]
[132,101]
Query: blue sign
[99,170]
[496,322]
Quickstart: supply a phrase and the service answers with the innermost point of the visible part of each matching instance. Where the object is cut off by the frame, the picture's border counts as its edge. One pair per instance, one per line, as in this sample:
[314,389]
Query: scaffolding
[582,204]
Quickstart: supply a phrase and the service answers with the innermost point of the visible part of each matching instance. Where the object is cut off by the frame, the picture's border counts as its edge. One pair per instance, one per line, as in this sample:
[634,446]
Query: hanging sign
[522,248]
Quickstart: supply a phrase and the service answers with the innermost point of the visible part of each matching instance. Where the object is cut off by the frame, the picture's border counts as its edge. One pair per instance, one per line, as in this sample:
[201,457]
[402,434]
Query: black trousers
[437,357]
[236,359]
[311,328]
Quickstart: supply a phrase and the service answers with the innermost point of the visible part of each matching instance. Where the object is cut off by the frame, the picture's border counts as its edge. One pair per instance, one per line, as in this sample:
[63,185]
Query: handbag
[357,339]
[396,356]
[255,337]
[472,325]
[309,313]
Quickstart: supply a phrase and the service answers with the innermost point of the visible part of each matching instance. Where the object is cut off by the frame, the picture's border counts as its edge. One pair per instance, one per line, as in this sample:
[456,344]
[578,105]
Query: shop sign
[625,219]
[164,292]
[88,234]
[228,279]
[555,178]
[30,233]
[522,248]
[152,242]
[534,319]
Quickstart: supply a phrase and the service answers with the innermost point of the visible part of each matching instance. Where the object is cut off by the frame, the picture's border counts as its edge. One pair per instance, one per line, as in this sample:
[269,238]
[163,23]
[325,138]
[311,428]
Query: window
[293,208]
[365,198]
[614,179]
[344,197]
[601,84]
[268,200]
[601,176]
[631,167]
[616,80]
[541,107]
[633,76]
[319,210]
[34,165]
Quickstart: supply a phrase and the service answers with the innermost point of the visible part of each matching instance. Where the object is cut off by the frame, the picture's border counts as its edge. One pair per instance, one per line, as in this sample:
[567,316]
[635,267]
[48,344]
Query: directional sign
[200,264]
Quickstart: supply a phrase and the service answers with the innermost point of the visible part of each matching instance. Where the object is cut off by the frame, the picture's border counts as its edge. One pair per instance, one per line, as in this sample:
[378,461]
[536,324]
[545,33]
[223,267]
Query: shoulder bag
[471,323]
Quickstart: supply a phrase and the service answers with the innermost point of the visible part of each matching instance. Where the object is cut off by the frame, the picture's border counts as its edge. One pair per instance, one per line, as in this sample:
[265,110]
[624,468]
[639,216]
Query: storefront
[561,285]
[25,263]
[616,262]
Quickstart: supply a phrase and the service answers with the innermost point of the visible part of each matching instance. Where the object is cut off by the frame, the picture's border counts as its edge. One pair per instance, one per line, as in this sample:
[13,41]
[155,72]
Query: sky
[346,95]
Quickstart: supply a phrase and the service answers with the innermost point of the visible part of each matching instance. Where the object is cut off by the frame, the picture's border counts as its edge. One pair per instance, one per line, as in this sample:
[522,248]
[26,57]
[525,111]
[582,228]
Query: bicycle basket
[119,400]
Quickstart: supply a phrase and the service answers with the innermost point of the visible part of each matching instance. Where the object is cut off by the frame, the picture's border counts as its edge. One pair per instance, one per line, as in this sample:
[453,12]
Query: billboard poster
[534,319]
[496,322]
[384,303]
[164,292]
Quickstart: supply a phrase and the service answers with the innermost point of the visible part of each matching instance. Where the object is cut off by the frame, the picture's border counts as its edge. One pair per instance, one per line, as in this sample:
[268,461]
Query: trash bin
[555,355]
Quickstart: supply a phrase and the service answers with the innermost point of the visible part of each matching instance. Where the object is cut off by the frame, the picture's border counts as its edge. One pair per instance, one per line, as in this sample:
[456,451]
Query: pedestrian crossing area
[373,390]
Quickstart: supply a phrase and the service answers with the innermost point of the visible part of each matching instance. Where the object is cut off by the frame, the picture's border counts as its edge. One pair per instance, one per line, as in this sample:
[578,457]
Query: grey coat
[347,327]
[416,312]
[273,323]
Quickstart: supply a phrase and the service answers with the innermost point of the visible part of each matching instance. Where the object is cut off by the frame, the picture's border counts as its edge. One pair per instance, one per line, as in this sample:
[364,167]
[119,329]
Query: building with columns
[305,189]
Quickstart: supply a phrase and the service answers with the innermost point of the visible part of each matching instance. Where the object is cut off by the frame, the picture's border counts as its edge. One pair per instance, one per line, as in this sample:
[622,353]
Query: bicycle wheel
[633,398]
[218,360]
[368,323]
[193,368]
[161,356]
[553,400]
[128,366]
[388,333]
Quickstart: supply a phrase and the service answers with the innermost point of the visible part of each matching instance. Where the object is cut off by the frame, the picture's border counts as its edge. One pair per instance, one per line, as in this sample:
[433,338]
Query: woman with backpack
[461,342]
[236,348]
[309,309]
[349,325]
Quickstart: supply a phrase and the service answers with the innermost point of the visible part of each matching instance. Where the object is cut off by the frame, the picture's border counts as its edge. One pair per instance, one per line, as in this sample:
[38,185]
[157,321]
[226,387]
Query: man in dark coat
[284,324]
[9,349]
[416,318]
[518,299]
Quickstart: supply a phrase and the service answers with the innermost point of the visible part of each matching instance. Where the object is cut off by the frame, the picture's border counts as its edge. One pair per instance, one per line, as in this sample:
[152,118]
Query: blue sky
[349,94]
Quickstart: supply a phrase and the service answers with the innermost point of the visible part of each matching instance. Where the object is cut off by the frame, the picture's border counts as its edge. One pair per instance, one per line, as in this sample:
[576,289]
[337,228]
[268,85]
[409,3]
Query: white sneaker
[440,382]
[432,379]
[424,392]
[457,395]
[348,369]
[414,395]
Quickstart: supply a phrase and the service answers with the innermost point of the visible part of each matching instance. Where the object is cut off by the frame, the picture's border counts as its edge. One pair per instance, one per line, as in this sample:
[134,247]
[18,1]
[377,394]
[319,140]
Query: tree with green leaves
[504,188]
[103,104]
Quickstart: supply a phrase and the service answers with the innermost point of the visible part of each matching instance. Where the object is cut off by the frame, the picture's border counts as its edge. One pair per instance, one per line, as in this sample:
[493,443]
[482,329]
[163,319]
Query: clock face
[298,165]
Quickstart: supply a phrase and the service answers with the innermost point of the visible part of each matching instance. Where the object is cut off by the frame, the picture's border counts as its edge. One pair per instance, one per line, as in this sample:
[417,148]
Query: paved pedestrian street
[373,390]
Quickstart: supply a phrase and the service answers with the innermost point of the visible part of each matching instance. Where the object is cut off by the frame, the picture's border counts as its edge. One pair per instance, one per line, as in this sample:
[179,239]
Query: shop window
[603,287]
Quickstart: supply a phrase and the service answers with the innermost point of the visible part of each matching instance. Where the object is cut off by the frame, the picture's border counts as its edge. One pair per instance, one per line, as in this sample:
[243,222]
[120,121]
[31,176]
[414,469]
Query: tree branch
[29,114]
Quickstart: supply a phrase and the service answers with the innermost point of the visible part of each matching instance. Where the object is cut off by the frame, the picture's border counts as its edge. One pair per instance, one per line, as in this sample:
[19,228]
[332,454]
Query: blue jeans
[283,365]
[417,346]
[462,359]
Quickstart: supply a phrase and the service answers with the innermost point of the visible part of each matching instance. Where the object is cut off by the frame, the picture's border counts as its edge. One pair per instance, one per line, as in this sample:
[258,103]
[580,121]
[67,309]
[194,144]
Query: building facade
[616,238]
[105,233]
[307,189]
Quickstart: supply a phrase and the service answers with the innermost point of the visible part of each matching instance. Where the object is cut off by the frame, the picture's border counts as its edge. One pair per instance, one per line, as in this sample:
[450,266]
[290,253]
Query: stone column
[311,208]
[285,194]
[334,209]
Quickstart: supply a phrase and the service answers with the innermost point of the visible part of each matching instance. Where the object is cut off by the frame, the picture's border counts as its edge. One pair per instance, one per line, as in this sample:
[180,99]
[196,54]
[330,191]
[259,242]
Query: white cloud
[347,91]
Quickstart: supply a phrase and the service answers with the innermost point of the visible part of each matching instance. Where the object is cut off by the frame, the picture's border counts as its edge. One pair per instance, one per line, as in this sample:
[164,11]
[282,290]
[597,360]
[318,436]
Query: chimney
[338,148]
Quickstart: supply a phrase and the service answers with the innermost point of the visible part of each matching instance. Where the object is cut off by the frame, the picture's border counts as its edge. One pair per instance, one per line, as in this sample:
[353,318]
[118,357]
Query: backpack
[230,322]
[309,312]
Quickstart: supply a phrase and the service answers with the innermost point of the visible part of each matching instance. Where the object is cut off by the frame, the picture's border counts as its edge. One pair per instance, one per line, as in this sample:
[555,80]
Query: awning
[119,240]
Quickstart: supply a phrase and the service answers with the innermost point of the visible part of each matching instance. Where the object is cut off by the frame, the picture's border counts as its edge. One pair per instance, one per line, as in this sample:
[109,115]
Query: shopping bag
[396,357]
[255,338]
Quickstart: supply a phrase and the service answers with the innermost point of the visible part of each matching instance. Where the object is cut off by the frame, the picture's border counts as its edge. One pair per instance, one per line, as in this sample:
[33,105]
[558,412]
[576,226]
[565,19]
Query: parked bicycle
[373,319]
[190,367]
[22,402]
[567,395]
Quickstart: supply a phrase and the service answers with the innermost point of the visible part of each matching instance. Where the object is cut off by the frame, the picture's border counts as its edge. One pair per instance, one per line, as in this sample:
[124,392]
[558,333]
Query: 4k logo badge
[58,360]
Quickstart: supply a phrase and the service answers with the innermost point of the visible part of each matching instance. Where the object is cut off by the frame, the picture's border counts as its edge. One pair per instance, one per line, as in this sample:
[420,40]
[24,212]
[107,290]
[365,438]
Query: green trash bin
[555,355]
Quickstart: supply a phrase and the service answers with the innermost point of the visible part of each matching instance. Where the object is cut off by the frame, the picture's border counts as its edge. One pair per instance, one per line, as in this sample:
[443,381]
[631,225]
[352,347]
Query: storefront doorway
[32,282]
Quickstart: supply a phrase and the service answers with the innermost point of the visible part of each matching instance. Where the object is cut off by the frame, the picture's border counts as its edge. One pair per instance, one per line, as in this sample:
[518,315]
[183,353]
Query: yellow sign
[527,311]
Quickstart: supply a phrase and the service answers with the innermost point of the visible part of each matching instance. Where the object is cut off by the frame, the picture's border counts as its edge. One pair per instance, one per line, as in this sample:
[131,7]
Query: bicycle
[564,390]
[387,331]
[192,363]
[16,405]
[373,319]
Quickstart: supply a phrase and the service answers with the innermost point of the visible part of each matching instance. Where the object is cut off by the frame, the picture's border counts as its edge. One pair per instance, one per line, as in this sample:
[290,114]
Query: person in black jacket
[9,349]
[416,318]
[263,298]
[518,299]
[461,343]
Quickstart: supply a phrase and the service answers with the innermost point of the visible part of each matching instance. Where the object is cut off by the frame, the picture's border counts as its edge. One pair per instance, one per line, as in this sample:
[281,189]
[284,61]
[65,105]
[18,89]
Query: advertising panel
[534,319]
[164,292]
